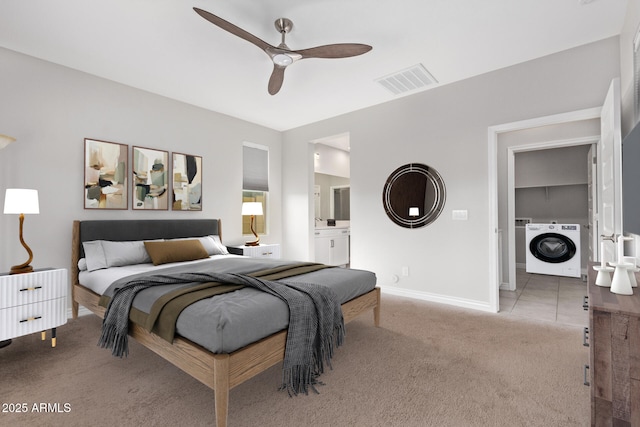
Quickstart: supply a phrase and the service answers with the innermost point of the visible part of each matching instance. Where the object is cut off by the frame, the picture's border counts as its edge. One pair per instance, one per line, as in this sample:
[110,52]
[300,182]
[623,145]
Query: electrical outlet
[405,271]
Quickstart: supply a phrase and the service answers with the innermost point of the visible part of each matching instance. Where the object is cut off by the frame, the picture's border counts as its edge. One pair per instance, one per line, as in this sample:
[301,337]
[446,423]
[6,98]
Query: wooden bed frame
[218,371]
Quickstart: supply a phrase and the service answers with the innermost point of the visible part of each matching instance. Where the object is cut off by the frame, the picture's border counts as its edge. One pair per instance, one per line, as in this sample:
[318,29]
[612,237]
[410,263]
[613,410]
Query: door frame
[510,284]
[332,199]
[494,232]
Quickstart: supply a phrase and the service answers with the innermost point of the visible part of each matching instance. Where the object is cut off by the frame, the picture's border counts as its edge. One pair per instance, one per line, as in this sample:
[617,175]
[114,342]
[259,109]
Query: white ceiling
[164,47]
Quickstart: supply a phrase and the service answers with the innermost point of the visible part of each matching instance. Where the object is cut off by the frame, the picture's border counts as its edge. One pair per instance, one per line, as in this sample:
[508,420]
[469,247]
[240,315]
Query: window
[255,184]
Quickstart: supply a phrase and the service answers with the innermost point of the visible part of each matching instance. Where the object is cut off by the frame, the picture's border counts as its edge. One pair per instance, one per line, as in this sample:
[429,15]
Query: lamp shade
[21,201]
[5,140]
[252,208]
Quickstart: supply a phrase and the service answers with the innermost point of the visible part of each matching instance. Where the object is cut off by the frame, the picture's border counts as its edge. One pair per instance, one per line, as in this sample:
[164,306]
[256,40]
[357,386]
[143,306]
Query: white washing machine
[553,249]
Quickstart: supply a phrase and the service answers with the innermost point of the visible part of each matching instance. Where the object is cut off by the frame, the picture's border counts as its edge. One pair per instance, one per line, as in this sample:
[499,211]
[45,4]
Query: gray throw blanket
[316,325]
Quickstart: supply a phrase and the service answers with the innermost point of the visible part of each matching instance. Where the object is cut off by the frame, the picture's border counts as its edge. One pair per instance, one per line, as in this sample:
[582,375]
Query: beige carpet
[428,365]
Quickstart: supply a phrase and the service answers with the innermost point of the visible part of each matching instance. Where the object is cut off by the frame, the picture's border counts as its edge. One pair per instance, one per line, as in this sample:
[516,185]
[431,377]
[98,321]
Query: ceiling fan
[281,55]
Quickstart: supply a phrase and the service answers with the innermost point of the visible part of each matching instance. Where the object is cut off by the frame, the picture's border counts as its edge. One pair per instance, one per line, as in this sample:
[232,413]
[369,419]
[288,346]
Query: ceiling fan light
[282,59]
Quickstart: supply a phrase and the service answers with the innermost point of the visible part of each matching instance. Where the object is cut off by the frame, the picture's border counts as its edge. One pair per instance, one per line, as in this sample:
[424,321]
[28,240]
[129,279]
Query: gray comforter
[231,321]
[316,324]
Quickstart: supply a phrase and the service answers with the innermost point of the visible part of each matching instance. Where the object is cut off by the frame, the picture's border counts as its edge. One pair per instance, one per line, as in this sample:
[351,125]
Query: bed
[223,360]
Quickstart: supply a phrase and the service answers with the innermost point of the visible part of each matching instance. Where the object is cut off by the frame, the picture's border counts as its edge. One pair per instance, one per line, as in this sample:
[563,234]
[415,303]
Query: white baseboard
[426,296]
[505,286]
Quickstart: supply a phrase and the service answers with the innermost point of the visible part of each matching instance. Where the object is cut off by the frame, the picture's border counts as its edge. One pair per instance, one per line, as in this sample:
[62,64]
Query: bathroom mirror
[414,195]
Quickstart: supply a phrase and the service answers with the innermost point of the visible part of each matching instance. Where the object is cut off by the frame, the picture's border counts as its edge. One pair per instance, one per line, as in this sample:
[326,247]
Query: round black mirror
[414,195]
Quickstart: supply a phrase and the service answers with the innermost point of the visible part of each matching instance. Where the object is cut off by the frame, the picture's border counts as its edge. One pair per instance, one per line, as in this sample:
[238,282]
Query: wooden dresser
[614,355]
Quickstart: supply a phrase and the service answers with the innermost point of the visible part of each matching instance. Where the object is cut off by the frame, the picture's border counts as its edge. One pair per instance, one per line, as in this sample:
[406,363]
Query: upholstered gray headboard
[145,229]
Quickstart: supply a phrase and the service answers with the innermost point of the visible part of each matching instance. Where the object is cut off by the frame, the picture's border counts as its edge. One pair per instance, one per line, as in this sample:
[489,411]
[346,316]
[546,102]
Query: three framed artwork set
[156,185]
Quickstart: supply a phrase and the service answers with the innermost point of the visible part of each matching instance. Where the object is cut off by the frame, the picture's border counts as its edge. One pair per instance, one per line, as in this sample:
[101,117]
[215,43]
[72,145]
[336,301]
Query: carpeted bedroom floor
[428,365]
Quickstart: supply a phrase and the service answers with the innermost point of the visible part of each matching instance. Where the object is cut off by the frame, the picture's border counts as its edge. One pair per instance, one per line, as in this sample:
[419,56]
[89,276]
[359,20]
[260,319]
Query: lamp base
[20,269]
[253,243]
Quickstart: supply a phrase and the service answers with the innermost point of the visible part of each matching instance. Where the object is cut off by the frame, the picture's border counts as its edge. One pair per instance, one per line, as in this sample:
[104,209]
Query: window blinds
[255,168]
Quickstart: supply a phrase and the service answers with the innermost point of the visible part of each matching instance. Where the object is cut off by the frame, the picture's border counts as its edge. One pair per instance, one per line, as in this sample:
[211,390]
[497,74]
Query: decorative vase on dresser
[33,302]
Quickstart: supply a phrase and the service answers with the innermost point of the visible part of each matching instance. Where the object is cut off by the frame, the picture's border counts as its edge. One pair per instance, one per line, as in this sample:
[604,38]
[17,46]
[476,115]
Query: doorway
[549,184]
[332,178]
[501,183]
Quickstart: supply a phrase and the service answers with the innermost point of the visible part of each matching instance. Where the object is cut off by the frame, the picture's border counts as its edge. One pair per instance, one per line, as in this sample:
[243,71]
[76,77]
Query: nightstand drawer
[30,318]
[261,251]
[29,288]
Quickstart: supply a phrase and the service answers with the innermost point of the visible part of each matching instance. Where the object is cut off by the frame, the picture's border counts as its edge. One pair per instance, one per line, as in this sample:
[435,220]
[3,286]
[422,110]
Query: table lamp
[253,209]
[21,201]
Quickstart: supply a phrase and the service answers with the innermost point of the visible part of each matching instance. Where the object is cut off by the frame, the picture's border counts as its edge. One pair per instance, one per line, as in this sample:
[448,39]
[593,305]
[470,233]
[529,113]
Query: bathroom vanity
[332,245]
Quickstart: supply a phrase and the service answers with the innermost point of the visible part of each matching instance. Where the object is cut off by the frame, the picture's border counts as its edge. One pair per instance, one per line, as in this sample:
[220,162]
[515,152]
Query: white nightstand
[261,251]
[33,302]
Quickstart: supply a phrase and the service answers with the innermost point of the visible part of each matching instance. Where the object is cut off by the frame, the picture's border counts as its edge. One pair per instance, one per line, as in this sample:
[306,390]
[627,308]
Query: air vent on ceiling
[410,79]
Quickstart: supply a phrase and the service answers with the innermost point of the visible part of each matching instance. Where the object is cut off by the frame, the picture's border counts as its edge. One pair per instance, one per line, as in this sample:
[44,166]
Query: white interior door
[610,171]
[592,163]
[592,198]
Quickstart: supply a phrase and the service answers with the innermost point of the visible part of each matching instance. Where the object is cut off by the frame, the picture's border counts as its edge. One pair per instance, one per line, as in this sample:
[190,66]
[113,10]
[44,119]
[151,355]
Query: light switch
[459,215]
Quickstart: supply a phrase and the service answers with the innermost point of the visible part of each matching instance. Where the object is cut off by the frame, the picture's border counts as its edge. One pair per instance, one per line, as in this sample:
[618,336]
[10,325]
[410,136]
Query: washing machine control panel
[570,227]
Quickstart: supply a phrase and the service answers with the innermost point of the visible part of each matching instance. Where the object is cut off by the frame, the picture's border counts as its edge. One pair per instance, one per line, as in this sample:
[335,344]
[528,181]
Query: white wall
[51,109]
[331,161]
[557,166]
[445,128]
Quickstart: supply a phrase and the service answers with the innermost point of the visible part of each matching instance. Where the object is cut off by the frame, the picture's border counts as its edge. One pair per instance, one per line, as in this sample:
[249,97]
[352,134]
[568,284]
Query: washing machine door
[552,247]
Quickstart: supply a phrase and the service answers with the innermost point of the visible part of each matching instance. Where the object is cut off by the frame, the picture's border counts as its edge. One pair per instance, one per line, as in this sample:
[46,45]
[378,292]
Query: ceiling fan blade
[276,79]
[340,50]
[233,29]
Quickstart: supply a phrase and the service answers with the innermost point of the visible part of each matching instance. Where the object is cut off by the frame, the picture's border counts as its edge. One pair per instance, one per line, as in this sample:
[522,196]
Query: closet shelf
[550,185]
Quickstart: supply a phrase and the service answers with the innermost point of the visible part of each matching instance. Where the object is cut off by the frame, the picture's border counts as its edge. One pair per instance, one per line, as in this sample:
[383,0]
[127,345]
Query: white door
[610,172]
[592,195]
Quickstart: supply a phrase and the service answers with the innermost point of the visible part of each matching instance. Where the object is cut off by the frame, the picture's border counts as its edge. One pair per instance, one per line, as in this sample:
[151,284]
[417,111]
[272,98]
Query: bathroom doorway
[332,189]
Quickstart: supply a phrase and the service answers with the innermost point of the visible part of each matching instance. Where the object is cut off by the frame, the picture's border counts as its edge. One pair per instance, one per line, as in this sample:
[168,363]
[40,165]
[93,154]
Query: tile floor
[553,298]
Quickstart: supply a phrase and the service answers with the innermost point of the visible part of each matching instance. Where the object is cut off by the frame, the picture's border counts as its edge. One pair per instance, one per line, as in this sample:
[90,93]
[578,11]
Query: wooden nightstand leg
[43,335]
[53,337]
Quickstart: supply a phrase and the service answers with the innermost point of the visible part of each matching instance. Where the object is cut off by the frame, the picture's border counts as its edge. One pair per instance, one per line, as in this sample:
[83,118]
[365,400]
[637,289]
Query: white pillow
[82,264]
[118,254]
[105,253]
[212,244]
[217,248]
[218,242]
[94,254]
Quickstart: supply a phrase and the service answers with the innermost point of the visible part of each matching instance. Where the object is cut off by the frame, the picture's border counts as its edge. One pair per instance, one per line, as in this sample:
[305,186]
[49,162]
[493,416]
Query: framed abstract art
[105,175]
[187,182]
[150,179]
